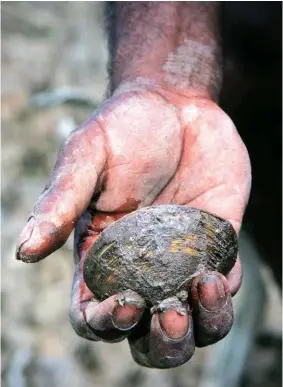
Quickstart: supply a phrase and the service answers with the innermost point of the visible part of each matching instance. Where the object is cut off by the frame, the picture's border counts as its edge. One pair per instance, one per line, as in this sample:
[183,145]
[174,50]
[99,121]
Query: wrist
[173,46]
[194,69]
[171,93]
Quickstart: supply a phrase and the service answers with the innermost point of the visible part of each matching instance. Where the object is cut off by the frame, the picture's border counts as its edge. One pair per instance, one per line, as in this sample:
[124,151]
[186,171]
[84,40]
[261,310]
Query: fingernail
[211,292]
[174,324]
[126,317]
[25,236]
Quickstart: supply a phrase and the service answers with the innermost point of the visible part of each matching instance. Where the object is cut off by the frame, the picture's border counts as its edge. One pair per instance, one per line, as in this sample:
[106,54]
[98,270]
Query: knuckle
[79,325]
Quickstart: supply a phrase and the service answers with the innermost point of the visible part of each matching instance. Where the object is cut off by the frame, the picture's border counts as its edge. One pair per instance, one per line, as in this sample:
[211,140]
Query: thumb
[71,186]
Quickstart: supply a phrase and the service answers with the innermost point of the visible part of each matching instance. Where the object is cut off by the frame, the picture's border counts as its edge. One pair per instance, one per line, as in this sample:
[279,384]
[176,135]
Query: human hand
[144,147]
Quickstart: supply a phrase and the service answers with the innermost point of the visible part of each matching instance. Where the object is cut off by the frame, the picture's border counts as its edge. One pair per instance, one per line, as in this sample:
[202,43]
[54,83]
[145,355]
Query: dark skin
[160,138]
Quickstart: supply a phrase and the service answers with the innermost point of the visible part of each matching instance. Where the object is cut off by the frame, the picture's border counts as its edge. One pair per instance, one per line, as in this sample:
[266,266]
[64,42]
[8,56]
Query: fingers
[110,320]
[212,308]
[66,196]
[81,296]
[169,340]
[235,277]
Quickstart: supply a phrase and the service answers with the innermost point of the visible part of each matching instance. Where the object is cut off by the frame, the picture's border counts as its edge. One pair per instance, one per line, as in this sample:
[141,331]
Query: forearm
[174,45]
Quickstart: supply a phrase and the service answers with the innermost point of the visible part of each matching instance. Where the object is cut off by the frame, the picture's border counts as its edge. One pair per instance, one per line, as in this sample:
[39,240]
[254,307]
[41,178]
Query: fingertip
[126,317]
[235,277]
[119,312]
[128,310]
[212,308]
[98,319]
[24,238]
[210,290]
[171,341]
[97,313]
[171,318]
[40,239]
[173,324]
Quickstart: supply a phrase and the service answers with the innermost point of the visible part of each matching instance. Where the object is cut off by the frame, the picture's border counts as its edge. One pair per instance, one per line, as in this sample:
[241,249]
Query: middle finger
[169,341]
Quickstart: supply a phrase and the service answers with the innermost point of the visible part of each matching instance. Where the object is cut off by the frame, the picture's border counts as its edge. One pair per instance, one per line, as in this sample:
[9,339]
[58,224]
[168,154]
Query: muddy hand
[144,148]
[112,319]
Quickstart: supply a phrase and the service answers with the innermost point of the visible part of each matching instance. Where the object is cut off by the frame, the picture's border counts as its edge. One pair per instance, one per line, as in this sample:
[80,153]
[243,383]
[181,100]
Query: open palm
[140,148]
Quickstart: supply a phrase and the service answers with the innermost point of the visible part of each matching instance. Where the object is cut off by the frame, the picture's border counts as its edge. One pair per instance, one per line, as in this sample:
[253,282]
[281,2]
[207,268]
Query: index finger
[69,191]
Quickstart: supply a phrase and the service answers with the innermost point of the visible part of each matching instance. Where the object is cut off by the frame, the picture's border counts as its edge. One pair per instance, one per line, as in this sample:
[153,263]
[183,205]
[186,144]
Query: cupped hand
[144,147]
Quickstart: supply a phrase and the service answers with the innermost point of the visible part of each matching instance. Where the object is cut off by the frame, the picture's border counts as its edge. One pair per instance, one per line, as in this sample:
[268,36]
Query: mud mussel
[157,251]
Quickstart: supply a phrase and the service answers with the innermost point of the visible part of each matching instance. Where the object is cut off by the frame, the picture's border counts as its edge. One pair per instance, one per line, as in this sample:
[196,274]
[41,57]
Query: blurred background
[54,76]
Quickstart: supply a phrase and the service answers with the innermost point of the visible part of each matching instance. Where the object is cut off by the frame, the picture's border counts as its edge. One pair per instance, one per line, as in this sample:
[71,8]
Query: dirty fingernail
[211,292]
[126,317]
[25,236]
[174,324]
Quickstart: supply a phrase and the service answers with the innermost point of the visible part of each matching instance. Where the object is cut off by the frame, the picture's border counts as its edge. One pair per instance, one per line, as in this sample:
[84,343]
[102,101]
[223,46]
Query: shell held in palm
[157,251]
